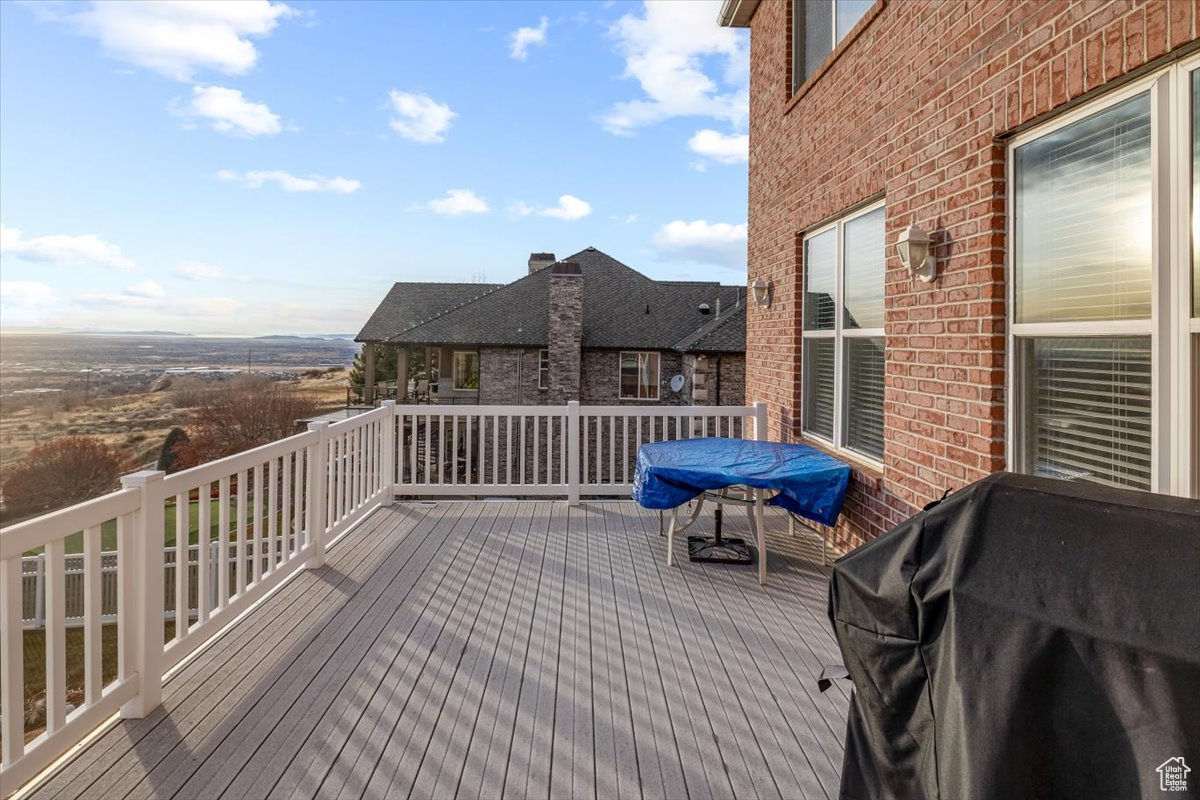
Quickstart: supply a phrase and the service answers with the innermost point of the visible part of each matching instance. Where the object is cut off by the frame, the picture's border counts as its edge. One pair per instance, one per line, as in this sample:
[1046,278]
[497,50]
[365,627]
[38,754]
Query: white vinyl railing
[259,517]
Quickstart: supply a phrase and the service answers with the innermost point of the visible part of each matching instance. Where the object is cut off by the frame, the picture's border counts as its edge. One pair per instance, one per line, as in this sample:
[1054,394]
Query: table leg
[762,536]
[661,532]
[671,537]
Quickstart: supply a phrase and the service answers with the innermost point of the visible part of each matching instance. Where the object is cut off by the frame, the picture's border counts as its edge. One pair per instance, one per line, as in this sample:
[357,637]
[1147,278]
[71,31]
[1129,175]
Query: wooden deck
[501,649]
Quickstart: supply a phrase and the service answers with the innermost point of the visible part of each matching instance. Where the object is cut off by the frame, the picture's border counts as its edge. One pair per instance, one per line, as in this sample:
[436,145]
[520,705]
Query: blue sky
[261,167]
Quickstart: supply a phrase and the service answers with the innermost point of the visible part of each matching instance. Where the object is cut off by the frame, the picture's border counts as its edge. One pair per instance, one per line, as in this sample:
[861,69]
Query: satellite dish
[677,383]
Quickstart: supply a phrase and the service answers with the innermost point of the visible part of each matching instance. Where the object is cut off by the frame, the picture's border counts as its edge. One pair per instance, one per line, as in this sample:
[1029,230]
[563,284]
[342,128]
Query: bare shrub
[239,414]
[59,473]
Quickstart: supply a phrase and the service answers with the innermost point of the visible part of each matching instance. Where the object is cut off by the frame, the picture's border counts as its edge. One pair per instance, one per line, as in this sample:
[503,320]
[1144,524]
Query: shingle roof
[621,308]
[724,334]
[409,304]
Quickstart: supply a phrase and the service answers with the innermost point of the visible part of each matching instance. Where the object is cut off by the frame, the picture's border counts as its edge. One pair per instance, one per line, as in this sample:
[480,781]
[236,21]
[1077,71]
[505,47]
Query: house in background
[588,328]
[1051,152]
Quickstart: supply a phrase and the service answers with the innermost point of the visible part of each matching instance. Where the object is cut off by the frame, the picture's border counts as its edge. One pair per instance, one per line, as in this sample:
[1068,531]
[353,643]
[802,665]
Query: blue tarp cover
[810,483]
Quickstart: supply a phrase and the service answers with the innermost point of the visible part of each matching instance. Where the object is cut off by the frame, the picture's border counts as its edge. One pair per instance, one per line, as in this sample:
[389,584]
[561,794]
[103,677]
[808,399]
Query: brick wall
[913,105]
[509,376]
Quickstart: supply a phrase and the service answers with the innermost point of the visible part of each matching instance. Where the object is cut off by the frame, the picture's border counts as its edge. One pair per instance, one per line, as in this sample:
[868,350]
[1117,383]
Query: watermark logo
[1172,775]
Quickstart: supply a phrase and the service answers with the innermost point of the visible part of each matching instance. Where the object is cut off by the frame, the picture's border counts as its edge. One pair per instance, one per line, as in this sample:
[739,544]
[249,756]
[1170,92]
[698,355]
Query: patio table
[795,477]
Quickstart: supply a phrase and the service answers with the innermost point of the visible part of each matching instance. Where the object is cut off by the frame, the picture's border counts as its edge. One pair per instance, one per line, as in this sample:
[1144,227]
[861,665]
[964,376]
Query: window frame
[543,369]
[1173,418]
[454,364]
[799,31]
[840,333]
[657,375]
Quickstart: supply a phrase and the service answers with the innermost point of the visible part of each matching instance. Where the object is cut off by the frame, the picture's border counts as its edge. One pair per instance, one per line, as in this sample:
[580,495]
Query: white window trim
[657,375]
[544,373]
[454,367]
[1172,415]
[840,333]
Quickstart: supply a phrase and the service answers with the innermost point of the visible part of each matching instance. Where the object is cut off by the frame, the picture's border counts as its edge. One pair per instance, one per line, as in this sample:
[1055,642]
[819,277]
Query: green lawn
[108,530]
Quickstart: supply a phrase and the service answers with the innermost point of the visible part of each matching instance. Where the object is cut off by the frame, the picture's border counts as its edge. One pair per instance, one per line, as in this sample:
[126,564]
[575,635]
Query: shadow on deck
[488,649]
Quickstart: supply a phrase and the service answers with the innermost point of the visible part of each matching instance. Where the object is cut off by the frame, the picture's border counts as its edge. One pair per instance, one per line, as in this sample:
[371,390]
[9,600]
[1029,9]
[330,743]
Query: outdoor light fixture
[913,247]
[760,290]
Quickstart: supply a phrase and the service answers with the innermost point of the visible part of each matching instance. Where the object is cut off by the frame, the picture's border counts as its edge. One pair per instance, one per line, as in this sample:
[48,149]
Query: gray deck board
[488,649]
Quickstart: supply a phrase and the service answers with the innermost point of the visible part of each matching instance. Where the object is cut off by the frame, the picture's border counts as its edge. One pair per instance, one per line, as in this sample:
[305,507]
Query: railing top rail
[468,411]
[358,419]
[668,411]
[39,531]
[212,470]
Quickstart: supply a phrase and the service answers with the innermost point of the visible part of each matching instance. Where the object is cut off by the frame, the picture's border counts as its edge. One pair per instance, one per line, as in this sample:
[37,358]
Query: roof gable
[622,308]
[409,304]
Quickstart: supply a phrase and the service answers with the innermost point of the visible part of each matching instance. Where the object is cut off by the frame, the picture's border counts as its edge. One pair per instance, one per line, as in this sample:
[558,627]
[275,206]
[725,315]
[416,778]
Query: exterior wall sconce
[914,249]
[760,290]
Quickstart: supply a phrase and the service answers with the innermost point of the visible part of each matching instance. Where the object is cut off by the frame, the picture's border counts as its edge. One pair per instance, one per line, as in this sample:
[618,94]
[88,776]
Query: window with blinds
[1105,327]
[1083,219]
[817,27]
[1091,410]
[842,368]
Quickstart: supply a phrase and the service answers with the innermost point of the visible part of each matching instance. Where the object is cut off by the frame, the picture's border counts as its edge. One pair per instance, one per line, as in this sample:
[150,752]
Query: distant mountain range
[322,337]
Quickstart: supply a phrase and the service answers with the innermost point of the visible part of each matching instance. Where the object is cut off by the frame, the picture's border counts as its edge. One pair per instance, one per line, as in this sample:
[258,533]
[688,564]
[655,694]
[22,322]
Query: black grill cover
[1026,638]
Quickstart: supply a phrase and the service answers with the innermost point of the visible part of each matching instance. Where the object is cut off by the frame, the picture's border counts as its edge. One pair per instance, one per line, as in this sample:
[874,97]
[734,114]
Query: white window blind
[819,386]
[1083,208]
[1091,410]
[864,375]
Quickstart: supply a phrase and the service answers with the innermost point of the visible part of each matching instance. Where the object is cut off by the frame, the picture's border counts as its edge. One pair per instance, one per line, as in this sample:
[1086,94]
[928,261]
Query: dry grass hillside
[135,423]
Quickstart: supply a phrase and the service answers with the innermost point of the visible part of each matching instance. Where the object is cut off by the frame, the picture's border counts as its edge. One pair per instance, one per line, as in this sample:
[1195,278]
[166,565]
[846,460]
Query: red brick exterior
[914,105]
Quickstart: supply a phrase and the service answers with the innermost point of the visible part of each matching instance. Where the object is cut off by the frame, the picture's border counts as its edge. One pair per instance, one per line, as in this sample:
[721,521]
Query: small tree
[59,473]
[239,414]
[386,362]
[168,454]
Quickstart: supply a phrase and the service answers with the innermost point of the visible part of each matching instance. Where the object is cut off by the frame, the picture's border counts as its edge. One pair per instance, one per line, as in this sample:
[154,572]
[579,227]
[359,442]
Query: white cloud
[146,289]
[25,294]
[62,249]
[723,148]
[624,220]
[198,271]
[716,243]
[664,49]
[419,117]
[458,202]
[179,38]
[255,179]
[228,111]
[569,208]
[524,38]
[218,307]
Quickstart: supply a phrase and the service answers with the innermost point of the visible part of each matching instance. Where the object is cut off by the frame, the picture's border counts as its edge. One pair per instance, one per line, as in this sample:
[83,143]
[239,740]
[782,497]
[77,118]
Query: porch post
[317,486]
[573,452]
[760,421]
[402,374]
[369,374]
[147,616]
[389,452]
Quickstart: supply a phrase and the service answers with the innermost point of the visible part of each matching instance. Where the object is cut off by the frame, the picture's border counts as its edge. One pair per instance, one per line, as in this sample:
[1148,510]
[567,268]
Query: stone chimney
[540,261]
[566,331]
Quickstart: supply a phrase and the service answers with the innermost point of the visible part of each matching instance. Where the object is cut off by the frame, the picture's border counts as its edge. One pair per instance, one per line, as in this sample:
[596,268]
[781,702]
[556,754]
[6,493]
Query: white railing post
[147,616]
[388,461]
[573,452]
[316,488]
[760,421]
